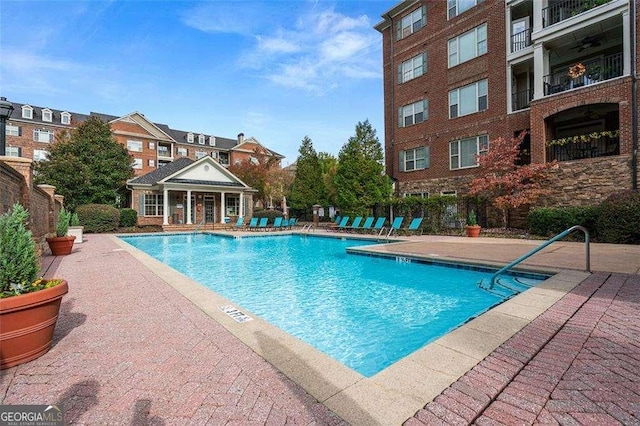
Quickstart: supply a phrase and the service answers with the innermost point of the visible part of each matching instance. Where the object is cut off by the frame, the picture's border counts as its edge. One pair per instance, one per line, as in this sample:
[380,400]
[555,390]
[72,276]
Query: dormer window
[27,112]
[201,139]
[190,137]
[47,115]
[65,118]
[212,140]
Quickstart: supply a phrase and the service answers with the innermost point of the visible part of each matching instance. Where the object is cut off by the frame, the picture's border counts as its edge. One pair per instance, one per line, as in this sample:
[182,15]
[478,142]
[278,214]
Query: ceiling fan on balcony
[588,42]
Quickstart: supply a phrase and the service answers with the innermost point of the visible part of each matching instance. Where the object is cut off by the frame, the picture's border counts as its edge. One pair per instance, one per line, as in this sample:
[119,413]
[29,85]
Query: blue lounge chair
[354,225]
[414,227]
[285,224]
[253,224]
[342,224]
[379,225]
[277,223]
[262,225]
[397,224]
[366,226]
[238,225]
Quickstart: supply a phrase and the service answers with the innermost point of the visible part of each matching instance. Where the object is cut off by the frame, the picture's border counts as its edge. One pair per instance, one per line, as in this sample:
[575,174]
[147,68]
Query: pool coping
[399,391]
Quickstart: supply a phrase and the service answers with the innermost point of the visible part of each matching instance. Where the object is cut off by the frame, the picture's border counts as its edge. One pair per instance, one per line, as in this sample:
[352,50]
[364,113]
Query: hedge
[98,217]
[128,217]
[618,219]
[549,221]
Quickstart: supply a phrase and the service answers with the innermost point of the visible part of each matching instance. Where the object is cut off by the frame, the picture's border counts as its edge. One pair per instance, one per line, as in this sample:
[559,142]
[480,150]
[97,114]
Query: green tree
[308,187]
[329,166]
[360,181]
[87,165]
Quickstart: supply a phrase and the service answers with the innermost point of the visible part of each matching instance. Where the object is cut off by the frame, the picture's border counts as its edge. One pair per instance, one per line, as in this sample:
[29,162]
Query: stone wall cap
[8,159]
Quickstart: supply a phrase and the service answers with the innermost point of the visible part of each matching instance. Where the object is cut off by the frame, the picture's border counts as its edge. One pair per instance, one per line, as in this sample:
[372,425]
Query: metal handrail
[199,225]
[552,240]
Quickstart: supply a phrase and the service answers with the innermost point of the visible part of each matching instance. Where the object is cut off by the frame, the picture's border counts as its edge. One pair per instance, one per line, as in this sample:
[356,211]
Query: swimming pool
[366,312]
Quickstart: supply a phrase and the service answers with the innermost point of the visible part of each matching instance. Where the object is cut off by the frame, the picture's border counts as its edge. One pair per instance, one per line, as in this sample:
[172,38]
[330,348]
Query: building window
[13,130]
[152,145]
[27,112]
[463,153]
[190,137]
[214,154]
[233,205]
[153,204]
[416,194]
[456,7]
[468,99]
[42,135]
[163,151]
[182,151]
[201,139]
[414,159]
[212,140]
[224,158]
[152,163]
[413,68]
[47,115]
[413,114]
[468,45]
[65,118]
[412,22]
[13,151]
[200,154]
[137,163]
[135,146]
[40,155]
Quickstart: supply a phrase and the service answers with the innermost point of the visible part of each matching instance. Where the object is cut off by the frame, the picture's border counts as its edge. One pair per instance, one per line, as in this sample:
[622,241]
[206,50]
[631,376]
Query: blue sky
[275,70]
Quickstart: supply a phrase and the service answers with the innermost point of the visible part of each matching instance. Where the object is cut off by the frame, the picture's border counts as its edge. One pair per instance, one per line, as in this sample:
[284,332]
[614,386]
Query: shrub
[548,221]
[18,261]
[128,217]
[98,217]
[74,220]
[62,225]
[271,214]
[618,219]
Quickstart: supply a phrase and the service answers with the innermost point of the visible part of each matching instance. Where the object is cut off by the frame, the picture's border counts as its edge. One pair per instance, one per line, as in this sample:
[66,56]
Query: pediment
[140,121]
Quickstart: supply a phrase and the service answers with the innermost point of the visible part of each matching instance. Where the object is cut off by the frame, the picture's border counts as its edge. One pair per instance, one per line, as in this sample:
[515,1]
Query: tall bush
[98,217]
[548,221]
[619,218]
[18,261]
[128,217]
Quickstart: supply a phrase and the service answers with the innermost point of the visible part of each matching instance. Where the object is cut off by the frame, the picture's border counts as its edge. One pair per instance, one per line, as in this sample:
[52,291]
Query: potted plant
[62,244]
[29,305]
[75,229]
[472,228]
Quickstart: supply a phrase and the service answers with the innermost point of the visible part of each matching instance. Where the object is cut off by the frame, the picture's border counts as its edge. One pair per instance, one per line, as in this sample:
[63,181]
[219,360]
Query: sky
[276,70]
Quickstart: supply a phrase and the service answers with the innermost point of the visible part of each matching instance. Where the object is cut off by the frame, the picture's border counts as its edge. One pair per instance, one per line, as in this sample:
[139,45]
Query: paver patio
[130,349]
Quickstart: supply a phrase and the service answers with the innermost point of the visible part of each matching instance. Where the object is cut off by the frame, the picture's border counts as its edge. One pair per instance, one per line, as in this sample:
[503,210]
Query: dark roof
[205,182]
[162,172]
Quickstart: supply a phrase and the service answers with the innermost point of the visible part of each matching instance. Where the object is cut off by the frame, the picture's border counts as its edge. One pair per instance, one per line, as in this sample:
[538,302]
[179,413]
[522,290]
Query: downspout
[393,97]
[634,97]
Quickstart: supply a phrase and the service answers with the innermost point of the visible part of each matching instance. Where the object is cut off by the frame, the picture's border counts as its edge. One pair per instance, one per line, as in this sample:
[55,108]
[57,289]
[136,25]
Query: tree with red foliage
[504,183]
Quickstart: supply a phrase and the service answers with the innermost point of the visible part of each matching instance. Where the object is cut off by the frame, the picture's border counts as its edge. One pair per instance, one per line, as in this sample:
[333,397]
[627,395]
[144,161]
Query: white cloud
[224,17]
[277,44]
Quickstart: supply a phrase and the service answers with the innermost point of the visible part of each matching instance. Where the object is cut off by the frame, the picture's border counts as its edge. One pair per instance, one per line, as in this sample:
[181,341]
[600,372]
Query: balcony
[584,73]
[520,40]
[521,100]
[584,146]
[164,153]
[559,11]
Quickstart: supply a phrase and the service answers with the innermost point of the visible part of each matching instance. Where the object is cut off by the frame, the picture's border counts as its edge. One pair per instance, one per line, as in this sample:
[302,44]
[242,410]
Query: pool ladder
[561,235]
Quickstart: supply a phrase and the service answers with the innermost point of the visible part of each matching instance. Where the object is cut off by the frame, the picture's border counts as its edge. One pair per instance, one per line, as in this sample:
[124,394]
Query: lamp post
[5,112]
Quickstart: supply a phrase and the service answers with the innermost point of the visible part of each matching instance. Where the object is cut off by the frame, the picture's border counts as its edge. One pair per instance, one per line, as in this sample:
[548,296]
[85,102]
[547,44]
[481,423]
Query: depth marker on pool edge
[234,313]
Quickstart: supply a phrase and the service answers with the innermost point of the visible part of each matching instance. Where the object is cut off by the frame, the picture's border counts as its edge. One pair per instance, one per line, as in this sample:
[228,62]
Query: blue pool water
[364,311]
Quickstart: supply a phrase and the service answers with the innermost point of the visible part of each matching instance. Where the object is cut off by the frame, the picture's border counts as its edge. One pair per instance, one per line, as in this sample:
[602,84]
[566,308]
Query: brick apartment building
[458,74]
[199,173]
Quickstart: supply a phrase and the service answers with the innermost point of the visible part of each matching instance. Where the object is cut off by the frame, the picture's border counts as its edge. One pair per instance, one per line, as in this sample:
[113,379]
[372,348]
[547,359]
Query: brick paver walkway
[576,364]
[129,349]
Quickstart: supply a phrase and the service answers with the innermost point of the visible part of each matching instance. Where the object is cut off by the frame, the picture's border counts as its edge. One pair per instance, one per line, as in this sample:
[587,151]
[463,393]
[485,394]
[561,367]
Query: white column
[509,88]
[626,43]
[223,208]
[540,69]
[165,207]
[189,221]
[509,27]
[537,14]
[241,204]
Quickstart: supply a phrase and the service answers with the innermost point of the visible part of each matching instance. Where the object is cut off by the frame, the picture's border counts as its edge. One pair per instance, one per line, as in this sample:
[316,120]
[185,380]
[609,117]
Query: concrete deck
[564,352]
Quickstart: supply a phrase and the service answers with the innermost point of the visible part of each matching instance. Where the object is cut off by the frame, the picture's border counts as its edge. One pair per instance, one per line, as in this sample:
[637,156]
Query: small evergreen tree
[87,165]
[360,181]
[308,187]
[18,261]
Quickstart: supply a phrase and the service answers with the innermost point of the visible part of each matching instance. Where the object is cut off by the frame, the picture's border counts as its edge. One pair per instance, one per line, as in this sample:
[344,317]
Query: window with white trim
[200,154]
[412,22]
[464,153]
[201,139]
[152,145]
[416,194]
[13,151]
[232,205]
[414,159]
[190,137]
[137,163]
[212,140]
[153,204]
[43,135]
[134,146]
[13,130]
[413,114]
[223,157]
[182,151]
[27,112]
[152,163]
[214,154]
[456,7]
[468,45]
[40,155]
[65,118]
[413,68]
[468,99]
[47,115]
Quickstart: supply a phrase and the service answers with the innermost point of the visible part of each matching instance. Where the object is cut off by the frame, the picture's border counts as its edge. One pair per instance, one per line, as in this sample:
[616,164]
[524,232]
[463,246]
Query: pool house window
[233,205]
[414,159]
[468,99]
[463,153]
[153,204]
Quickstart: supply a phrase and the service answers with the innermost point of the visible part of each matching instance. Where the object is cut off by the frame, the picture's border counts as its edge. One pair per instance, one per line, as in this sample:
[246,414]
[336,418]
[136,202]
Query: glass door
[209,209]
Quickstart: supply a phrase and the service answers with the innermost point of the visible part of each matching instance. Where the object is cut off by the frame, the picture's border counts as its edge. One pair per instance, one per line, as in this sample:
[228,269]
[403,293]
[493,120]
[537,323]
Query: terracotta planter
[472,231]
[27,323]
[61,246]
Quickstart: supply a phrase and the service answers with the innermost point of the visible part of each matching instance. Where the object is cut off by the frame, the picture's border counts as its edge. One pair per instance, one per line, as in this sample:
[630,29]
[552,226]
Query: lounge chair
[253,224]
[262,225]
[277,223]
[366,226]
[355,225]
[285,224]
[379,225]
[414,227]
[342,224]
[236,226]
[397,224]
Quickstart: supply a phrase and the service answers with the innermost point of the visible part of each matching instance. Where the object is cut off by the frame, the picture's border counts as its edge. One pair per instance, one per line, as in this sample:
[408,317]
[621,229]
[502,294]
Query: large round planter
[472,230]
[61,246]
[27,323]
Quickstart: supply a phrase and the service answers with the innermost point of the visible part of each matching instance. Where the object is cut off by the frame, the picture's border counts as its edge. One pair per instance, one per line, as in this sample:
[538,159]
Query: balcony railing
[521,100]
[559,11]
[520,40]
[595,71]
[587,147]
